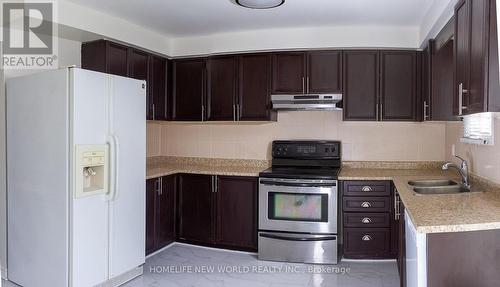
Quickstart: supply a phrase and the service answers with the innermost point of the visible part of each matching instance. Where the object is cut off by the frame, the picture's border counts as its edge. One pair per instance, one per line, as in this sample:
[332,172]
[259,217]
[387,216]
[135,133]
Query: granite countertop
[441,212]
[429,213]
[163,166]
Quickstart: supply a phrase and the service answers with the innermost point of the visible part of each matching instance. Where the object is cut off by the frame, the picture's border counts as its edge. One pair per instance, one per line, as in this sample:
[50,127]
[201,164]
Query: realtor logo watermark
[29,35]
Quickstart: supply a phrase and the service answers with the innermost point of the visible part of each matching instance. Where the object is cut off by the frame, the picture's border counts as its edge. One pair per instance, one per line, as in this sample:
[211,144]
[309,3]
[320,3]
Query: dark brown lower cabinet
[236,212]
[369,227]
[463,259]
[367,242]
[218,211]
[196,204]
[151,193]
[160,212]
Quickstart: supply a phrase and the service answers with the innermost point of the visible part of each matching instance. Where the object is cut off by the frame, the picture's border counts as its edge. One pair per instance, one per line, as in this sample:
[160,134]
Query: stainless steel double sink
[437,186]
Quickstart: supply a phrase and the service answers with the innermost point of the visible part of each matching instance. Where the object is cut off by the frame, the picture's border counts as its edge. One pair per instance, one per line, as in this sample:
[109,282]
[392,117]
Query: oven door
[298,205]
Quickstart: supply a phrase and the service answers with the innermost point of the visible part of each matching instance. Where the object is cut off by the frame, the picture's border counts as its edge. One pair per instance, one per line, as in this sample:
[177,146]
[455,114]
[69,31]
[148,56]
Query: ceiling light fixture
[260,4]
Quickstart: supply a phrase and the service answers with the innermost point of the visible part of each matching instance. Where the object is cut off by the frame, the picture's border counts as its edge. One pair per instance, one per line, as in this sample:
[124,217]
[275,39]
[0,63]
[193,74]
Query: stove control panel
[306,149]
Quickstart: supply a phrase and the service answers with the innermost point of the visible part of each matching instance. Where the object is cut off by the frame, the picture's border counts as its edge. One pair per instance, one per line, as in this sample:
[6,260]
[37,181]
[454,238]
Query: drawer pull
[366,204]
[366,220]
[366,238]
[366,188]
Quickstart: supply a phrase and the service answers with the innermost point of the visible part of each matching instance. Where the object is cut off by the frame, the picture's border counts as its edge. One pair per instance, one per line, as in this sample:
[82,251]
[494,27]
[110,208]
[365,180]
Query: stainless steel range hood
[329,102]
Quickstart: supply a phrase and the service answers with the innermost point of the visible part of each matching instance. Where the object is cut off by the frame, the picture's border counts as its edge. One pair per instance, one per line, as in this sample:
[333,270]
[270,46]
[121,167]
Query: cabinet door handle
[303,85]
[396,205]
[461,93]
[366,220]
[153,106]
[381,112]
[366,188]
[213,184]
[377,112]
[307,84]
[234,113]
[366,204]
[426,106]
[156,186]
[161,185]
[202,113]
[366,237]
[238,112]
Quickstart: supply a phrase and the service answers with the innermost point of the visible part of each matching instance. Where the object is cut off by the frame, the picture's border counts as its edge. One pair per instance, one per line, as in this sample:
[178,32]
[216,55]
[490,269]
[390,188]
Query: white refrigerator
[76,164]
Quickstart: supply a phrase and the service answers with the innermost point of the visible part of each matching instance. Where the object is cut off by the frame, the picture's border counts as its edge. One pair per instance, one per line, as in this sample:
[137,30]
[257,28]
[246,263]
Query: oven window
[298,207]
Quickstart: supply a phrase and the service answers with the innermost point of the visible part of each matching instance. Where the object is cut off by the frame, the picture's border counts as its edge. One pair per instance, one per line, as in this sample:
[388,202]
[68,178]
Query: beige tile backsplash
[361,141]
[484,160]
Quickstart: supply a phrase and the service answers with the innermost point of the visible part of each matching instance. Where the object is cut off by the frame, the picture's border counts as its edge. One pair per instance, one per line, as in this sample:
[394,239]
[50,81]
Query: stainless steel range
[298,203]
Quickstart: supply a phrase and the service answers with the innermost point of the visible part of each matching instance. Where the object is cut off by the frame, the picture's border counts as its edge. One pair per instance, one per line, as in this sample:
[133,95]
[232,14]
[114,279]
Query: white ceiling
[182,18]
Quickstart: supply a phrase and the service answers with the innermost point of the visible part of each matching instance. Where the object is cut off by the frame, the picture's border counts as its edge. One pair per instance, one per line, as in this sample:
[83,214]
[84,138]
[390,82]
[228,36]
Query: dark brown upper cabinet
[324,72]
[254,96]
[160,106]
[307,72]
[138,68]
[399,77]
[105,56]
[108,57]
[237,88]
[189,85]
[389,89]
[442,66]
[493,69]
[222,88]
[475,43]
[427,54]
[361,101]
[138,64]
[289,75]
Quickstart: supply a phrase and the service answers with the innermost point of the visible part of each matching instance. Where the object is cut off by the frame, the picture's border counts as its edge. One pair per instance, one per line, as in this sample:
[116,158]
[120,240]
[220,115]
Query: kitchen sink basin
[450,189]
[438,186]
[433,183]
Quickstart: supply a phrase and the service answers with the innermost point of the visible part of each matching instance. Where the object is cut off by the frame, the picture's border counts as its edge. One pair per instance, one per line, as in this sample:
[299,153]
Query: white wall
[310,38]
[107,26]
[439,14]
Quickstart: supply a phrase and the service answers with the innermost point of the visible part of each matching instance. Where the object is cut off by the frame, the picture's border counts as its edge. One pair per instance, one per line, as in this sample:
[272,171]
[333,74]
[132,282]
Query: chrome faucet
[463,169]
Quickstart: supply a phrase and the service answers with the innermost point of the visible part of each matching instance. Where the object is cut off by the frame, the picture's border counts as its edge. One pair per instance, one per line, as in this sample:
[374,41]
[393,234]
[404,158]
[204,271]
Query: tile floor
[184,265]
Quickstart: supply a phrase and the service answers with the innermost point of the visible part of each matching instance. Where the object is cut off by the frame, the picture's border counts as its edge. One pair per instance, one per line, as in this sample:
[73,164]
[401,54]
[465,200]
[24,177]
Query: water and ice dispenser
[91,167]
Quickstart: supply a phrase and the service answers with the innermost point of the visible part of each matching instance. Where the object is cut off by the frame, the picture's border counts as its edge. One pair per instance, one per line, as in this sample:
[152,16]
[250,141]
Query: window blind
[478,129]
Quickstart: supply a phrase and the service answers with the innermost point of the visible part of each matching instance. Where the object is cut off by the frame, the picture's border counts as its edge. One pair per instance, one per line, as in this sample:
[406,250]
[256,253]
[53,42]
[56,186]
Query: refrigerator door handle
[112,167]
[117,167]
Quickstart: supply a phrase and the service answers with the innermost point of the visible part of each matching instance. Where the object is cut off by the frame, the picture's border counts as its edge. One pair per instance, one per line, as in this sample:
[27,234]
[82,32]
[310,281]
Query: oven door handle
[297,184]
[287,238]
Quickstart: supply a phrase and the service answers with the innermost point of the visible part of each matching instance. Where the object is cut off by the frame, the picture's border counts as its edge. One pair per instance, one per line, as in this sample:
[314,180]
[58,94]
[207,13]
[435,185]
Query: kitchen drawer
[366,219]
[367,188]
[367,204]
[367,243]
